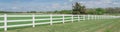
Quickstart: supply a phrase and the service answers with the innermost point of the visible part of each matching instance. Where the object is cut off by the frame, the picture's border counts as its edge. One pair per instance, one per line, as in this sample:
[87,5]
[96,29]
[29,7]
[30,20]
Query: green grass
[108,25]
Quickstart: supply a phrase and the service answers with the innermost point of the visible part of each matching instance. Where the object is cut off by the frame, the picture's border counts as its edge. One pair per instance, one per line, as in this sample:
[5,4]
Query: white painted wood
[5,22]
[25,20]
[83,17]
[78,18]
[72,18]
[88,17]
[63,18]
[33,22]
[51,20]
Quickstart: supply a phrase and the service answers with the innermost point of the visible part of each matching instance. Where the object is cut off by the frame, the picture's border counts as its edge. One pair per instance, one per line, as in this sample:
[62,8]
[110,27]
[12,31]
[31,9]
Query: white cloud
[65,3]
[82,2]
[115,3]
[70,0]
[56,5]
[14,8]
[100,3]
[106,1]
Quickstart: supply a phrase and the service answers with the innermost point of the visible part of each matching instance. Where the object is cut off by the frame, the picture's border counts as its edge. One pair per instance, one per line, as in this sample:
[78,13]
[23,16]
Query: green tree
[90,11]
[32,12]
[78,9]
[100,11]
[65,12]
[113,10]
[1,11]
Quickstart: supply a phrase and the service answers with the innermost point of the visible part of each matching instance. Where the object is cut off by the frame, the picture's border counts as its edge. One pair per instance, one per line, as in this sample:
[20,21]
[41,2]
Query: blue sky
[51,5]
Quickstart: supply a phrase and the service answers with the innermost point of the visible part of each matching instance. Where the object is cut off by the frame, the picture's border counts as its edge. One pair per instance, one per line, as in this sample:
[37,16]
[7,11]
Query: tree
[1,11]
[113,10]
[90,11]
[63,12]
[100,11]
[78,9]
[31,12]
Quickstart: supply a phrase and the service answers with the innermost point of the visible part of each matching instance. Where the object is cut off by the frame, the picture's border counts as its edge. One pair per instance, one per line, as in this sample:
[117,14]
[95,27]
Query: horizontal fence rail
[32,20]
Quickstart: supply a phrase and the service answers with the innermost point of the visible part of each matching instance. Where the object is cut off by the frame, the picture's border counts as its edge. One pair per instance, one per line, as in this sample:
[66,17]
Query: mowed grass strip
[81,26]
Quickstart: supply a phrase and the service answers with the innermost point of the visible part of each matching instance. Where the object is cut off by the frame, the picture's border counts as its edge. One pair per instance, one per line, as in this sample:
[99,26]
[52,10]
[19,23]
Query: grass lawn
[108,25]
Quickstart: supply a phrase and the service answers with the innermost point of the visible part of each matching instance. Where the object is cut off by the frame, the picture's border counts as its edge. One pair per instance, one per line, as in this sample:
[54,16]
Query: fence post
[88,17]
[92,17]
[78,18]
[100,17]
[51,20]
[95,17]
[72,18]
[83,16]
[63,18]
[5,22]
[33,20]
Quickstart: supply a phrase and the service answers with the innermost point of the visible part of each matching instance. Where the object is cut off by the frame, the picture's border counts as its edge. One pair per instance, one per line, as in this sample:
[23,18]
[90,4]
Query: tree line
[78,8]
[81,9]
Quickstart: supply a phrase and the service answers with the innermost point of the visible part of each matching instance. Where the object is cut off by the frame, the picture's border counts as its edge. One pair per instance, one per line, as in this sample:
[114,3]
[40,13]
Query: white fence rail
[61,18]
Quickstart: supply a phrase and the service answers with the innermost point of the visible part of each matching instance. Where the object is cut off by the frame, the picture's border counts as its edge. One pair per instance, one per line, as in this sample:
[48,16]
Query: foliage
[32,12]
[97,11]
[100,11]
[90,12]
[1,11]
[78,9]
[63,12]
[111,10]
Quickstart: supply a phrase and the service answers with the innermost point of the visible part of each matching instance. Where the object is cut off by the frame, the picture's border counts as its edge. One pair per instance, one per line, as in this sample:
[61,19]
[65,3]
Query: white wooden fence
[33,19]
